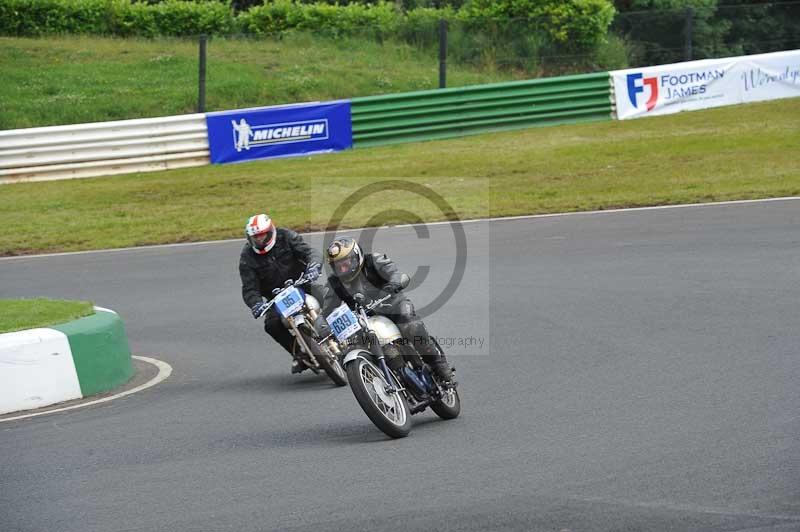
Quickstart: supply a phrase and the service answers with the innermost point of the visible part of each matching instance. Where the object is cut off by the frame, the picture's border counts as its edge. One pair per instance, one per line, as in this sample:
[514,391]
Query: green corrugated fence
[444,113]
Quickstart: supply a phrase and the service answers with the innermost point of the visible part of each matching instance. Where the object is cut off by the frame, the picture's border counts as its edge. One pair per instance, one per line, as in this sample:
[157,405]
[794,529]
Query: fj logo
[636,84]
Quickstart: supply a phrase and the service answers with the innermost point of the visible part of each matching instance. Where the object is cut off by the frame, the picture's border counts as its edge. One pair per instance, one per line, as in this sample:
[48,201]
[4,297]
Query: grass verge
[70,80]
[20,314]
[740,152]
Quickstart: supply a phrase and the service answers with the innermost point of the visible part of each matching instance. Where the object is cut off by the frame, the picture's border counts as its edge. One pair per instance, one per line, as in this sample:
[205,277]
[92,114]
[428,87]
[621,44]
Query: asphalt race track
[640,371]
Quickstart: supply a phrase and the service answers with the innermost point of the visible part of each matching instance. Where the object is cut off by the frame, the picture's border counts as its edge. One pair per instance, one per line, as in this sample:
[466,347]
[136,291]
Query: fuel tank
[385,329]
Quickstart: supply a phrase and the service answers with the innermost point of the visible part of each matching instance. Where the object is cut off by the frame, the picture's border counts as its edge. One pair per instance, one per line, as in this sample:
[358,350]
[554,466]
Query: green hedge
[282,15]
[171,17]
[574,23]
[114,17]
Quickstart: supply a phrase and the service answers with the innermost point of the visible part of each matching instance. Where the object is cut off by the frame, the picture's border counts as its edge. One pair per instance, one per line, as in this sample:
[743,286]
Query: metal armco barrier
[150,144]
[103,148]
[445,113]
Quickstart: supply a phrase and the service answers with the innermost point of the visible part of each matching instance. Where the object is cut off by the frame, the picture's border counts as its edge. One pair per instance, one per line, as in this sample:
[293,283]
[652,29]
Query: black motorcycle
[388,397]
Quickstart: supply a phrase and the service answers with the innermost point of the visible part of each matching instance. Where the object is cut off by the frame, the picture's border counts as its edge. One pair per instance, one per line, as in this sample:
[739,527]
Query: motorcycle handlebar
[289,282]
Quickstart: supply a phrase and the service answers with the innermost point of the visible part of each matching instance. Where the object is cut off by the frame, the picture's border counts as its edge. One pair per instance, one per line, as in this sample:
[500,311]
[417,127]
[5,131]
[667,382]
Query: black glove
[313,271]
[392,288]
[257,309]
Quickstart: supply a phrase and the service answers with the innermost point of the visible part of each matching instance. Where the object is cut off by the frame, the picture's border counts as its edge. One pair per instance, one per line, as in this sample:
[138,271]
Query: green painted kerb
[100,351]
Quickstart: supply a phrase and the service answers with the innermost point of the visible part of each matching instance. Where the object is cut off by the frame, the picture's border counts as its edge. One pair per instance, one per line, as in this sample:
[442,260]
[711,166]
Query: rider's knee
[273,326]
[405,313]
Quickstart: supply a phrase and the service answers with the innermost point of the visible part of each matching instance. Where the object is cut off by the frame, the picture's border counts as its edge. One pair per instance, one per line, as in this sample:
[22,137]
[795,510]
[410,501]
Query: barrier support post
[442,53]
[688,30]
[201,96]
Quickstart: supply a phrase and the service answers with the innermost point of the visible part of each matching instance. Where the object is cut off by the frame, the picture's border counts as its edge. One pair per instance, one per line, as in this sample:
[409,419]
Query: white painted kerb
[36,370]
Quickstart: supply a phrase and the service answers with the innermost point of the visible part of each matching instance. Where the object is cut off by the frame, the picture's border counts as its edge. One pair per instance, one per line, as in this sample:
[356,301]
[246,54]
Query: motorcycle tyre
[375,415]
[445,411]
[329,362]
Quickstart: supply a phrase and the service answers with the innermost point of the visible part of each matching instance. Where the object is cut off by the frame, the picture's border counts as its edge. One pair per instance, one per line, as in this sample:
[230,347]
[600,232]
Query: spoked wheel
[328,361]
[449,406]
[389,411]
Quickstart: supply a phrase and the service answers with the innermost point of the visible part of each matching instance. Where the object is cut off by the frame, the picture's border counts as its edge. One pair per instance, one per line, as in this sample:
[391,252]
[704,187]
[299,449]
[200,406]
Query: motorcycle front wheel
[388,411]
[328,361]
[449,406]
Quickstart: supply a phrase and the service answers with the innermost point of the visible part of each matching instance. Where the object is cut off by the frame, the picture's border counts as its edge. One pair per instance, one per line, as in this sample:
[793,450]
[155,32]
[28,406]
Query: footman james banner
[693,85]
[281,131]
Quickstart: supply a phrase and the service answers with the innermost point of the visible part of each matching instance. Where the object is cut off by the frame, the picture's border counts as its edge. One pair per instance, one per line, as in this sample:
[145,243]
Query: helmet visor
[347,266]
[260,240]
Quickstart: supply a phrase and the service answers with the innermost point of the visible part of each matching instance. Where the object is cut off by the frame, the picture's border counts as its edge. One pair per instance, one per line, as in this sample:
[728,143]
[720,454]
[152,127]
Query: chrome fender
[354,354]
[385,329]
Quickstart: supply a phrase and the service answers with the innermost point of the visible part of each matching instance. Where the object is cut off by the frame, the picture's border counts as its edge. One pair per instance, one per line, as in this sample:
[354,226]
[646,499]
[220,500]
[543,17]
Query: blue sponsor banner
[264,132]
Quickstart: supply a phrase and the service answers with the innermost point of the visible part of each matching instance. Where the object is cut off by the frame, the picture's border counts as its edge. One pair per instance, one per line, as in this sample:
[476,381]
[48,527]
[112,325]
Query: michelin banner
[265,132]
[708,83]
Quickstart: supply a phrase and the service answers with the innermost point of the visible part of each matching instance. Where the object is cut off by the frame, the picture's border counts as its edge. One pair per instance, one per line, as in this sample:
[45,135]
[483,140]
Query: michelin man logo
[242,132]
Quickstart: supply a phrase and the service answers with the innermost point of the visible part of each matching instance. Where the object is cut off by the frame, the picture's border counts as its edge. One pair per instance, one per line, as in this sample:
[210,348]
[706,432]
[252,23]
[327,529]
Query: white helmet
[260,233]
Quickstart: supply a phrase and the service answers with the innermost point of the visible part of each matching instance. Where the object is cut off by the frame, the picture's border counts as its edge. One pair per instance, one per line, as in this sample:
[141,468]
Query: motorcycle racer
[270,256]
[374,275]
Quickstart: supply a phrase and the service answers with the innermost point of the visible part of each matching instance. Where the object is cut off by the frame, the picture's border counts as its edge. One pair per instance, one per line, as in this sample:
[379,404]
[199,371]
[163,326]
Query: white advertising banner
[694,85]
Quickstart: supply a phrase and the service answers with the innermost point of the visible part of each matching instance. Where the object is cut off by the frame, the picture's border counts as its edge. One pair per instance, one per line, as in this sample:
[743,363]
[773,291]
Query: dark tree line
[662,31]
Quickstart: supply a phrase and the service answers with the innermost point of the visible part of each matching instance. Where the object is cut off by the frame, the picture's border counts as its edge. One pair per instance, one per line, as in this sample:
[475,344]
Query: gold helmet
[345,258]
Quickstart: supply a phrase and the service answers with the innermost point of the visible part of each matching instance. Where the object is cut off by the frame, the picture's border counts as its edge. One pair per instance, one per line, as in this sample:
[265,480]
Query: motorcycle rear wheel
[328,361]
[389,412]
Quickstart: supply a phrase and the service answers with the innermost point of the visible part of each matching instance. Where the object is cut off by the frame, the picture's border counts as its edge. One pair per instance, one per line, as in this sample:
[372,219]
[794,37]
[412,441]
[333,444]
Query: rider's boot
[298,366]
[322,327]
[414,330]
[440,366]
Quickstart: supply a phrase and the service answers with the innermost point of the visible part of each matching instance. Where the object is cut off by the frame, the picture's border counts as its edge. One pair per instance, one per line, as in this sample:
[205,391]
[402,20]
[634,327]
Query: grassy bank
[19,314]
[68,80]
[728,153]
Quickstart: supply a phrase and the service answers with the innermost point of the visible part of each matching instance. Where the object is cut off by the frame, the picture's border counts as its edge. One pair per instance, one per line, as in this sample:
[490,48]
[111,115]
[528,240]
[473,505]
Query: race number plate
[289,301]
[343,322]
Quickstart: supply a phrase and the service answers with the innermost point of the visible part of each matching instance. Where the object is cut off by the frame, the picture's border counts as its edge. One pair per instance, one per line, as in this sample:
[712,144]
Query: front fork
[377,351]
[302,341]
[312,316]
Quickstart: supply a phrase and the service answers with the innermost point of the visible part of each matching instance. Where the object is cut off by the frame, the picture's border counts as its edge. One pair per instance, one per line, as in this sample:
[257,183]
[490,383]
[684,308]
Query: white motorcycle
[315,348]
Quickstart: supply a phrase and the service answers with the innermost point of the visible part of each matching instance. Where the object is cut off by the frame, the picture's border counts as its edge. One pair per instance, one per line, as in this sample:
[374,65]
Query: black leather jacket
[377,271]
[287,259]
